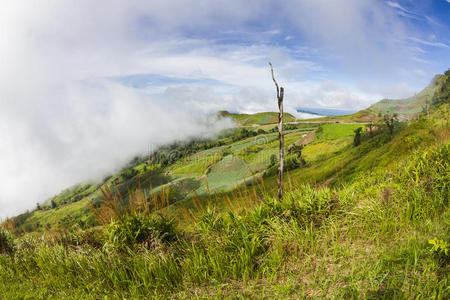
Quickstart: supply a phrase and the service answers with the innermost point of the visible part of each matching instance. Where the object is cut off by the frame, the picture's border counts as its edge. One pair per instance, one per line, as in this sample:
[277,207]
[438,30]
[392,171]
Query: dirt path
[306,138]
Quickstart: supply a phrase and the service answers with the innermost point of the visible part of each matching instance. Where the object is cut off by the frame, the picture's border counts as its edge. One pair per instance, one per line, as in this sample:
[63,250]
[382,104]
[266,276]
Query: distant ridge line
[325,111]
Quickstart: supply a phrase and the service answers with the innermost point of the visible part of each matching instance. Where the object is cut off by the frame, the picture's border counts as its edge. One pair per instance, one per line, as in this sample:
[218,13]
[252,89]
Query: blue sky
[85,85]
[344,54]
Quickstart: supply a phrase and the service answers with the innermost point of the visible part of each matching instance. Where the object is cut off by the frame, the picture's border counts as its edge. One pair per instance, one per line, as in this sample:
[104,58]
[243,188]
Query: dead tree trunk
[280,95]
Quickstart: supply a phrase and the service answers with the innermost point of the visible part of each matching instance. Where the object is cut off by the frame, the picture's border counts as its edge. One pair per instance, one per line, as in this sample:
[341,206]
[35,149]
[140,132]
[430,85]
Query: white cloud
[402,11]
[60,123]
[396,5]
[427,43]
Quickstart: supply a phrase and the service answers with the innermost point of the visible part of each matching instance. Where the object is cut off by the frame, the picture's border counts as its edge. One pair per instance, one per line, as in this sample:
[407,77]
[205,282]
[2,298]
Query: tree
[442,94]
[272,168]
[261,131]
[370,125]
[296,151]
[129,173]
[280,95]
[53,203]
[389,120]
[38,206]
[357,138]
[426,108]
[273,160]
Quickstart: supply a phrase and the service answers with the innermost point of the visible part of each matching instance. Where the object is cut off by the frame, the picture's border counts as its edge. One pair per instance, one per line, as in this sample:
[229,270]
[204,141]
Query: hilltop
[365,218]
[411,106]
[405,108]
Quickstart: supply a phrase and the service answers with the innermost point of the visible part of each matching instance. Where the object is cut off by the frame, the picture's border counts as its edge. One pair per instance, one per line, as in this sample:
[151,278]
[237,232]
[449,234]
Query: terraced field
[336,131]
[218,169]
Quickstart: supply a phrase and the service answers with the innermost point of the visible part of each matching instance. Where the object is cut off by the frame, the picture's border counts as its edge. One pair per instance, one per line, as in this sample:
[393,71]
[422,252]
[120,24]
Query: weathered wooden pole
[280,94]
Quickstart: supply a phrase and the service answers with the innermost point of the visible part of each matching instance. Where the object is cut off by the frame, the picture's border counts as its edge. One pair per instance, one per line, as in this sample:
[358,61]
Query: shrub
[440,249]
[271,170]
[211,220]
[261,131]
[291,161]
[144,229]
[6,242]
[357,138]
[94,237]
[128,173]
[427,174]
[305,205]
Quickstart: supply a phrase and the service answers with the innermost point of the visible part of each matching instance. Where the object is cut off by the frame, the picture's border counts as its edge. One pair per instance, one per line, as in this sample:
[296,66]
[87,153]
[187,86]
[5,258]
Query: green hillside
[409,106]
[360,220]
[405,108]
[256,119]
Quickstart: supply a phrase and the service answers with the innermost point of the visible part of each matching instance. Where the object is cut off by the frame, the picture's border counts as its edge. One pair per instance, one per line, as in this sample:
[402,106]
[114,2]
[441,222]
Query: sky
[85,85]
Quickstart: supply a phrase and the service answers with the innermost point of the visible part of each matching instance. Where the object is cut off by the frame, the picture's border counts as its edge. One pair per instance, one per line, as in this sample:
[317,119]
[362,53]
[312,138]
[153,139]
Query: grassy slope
[406,108]
[362,116]
[366,237]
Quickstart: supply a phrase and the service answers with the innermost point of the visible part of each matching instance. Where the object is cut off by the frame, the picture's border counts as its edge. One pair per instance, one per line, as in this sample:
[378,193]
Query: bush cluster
[140,228]
[6,242]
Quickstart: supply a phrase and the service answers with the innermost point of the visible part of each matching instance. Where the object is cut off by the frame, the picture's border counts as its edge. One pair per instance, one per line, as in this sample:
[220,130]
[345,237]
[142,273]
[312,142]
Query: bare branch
[273,78]
[280,95]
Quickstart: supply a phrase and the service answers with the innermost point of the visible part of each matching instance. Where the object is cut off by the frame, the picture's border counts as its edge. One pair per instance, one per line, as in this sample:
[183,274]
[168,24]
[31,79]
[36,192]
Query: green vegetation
[141,229]
[436,92]
[6,242]
[336,131]
[321,242]
[322,149]
[256,119]
[71,195]
[433,95]
[357,138]
[198,220]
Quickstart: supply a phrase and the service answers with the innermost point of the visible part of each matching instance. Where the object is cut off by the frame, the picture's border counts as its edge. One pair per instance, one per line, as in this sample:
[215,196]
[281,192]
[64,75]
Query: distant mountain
[409,106]
[322,111]
[437,91]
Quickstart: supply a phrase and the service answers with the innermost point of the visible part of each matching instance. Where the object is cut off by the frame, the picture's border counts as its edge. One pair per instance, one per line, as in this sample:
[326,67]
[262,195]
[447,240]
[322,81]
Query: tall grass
[114,205]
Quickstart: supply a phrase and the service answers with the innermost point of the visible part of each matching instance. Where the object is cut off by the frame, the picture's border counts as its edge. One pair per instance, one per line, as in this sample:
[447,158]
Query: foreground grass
[365,239]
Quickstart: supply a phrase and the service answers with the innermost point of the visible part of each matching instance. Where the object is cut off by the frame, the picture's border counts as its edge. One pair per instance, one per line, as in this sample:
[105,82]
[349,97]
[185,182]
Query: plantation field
[195,165]
[336,131]
[321,149]
[225,175]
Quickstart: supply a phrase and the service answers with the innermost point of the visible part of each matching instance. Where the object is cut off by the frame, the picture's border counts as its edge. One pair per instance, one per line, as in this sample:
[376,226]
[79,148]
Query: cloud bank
[61,120]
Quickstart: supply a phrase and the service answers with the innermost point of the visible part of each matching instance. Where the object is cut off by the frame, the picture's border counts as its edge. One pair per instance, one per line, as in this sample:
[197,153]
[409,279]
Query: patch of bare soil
[306,138]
